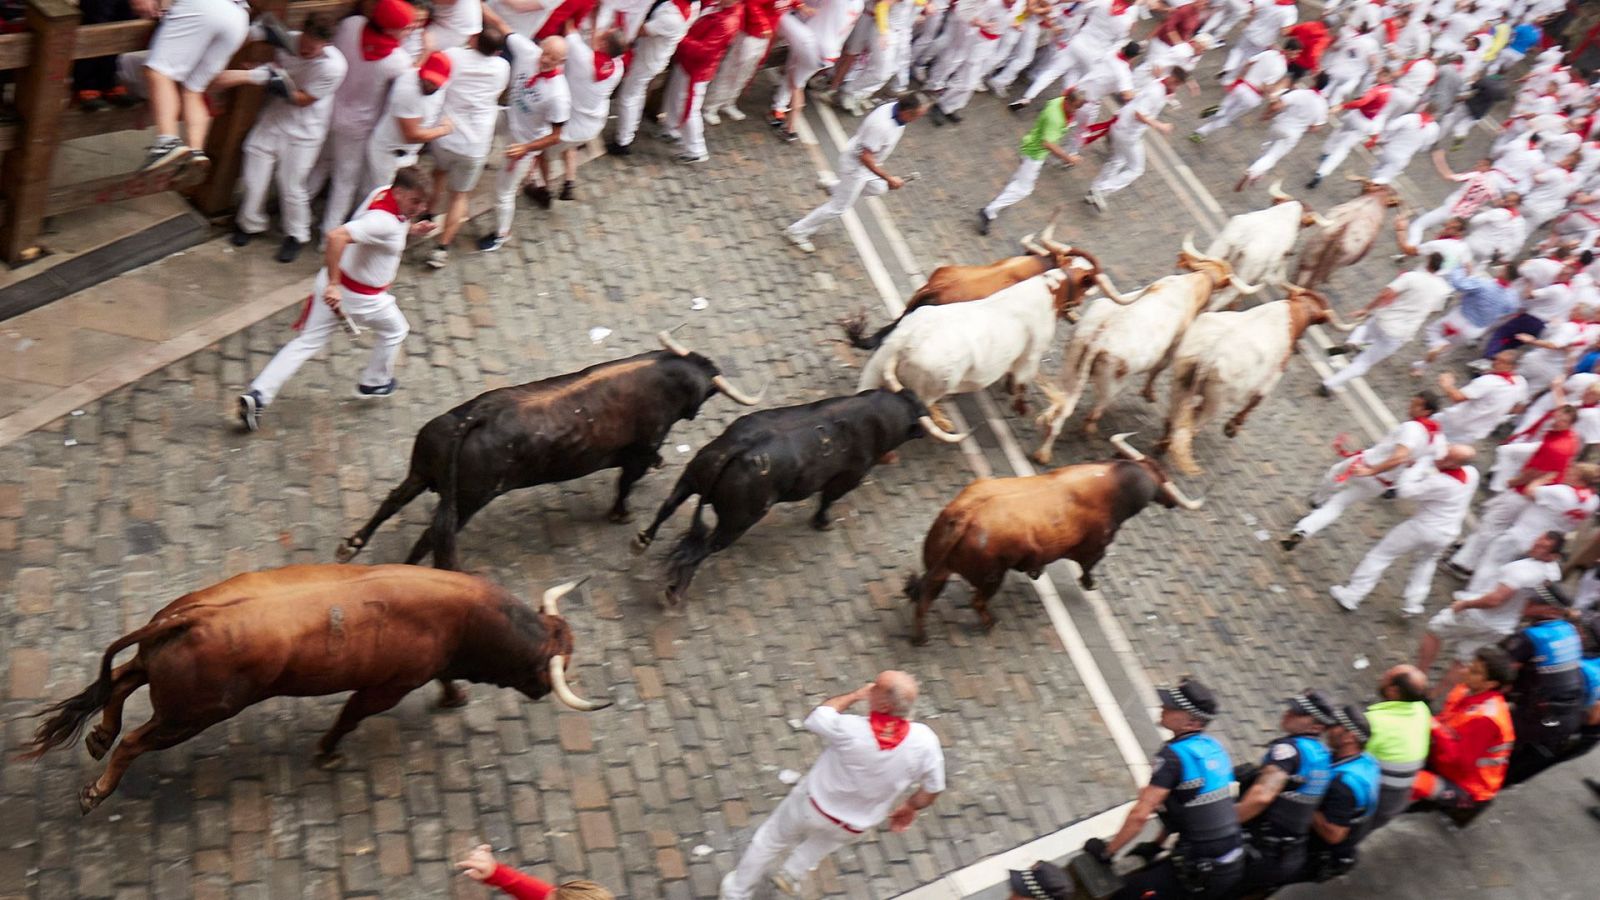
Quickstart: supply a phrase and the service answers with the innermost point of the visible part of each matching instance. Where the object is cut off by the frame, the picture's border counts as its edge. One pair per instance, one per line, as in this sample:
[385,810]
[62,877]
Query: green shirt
[1047,129]
[1400,734]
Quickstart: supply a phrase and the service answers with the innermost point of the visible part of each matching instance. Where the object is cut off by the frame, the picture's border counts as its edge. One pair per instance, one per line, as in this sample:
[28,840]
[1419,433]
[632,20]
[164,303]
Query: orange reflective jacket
[1472,739]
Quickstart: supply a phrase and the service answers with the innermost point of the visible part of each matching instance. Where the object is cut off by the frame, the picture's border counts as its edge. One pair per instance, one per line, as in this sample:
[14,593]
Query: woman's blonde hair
[582,890]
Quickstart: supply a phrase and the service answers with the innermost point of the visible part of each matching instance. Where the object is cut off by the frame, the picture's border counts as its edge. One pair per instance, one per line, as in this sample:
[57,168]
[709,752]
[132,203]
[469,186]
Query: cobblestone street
[108,515]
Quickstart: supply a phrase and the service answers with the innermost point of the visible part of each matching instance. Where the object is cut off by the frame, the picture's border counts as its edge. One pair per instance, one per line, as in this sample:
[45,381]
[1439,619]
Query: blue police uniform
[1351,802]
[1277,837]
[1209,857]
[1547,698]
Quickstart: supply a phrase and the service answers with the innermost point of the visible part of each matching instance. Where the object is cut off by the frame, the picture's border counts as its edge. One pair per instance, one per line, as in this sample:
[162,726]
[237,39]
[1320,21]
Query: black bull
[610,415]
[784,455]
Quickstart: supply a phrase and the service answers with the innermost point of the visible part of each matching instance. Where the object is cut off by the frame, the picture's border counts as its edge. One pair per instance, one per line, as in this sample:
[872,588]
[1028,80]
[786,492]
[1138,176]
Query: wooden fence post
[225,143]
[41,99]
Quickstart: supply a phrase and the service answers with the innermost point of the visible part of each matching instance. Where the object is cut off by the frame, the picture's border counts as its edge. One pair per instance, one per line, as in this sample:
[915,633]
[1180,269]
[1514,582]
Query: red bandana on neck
[538,75]
[889,730]
[385,201]
[1458,474]
[375,45]
[1510,377]
[683,8]
[1429,425]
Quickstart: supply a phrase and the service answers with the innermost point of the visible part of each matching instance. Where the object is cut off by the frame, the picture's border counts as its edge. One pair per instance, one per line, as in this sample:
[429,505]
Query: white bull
[1112,343]
[1258,244]
[941,350]
[1234,359]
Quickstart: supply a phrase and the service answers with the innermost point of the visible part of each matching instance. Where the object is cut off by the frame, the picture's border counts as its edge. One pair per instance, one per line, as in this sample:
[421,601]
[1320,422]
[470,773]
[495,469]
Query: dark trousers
[1543,739]
[1161,881]
[1271,865]
[100,73]
[1506,335]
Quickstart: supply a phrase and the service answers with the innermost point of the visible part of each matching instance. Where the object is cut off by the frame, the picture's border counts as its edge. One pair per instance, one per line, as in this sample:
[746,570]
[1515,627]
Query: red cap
[393,15]
[436,68]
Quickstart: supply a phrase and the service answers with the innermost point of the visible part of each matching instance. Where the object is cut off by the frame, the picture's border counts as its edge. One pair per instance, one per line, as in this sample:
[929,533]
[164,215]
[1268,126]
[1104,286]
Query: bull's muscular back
[311,630]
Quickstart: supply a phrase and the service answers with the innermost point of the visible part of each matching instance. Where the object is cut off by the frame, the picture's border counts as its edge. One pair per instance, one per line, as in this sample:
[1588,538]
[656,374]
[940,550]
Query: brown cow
[1347,234]
[959,284]
[306,631]
[998,525]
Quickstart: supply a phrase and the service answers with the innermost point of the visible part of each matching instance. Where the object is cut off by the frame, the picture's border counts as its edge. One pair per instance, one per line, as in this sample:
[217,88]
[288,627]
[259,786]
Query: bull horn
[1120,441]
[1319,220]
[548,605]
[1171,490]
[1055,246]
[1030,245]
[891,381]
[1336,322]
[1243,286]
[665,337]
[559,687]
[939,434]
[1103,282]
[736,395]
[1275,191]
[1188,246]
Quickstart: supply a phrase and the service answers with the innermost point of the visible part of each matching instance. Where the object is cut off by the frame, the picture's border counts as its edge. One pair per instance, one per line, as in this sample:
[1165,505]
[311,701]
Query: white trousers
[795,834]
[1335,496]
[1087,114]
[735,71]
[1235,103]
[1424,544]
[1426,222]
[1508,462]
[1070,63]
[1452,330]
[1274,151]
[1018,188]
[680,108]
[266,150]
[1023,50]
[378,315]
[635,85]
[1353,129]
[805,60]
[1125,165]
[963,82]
[344,160]
[843,196]
[891,60]
[931,38]
[1239,53]
[508,179]
[1379,347]
[1342,85]
[1493,519]
[1391,163]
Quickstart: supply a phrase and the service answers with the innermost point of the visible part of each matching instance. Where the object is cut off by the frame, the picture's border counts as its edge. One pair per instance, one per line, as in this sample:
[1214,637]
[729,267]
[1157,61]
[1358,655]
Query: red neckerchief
[604,66]
[1513,210]
[889,730]
[683,8]
[375,44]
[538,75]
[1118,7]
[385,201]
[1427,117]
[1428,425]
[1510,377]
[1457,473]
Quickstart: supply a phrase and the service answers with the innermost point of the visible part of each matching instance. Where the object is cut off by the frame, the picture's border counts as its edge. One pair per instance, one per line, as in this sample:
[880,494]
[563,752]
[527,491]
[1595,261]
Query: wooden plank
[122,186]
[75,123]
[111,38]
[10,133]
[41,99]
[15,50]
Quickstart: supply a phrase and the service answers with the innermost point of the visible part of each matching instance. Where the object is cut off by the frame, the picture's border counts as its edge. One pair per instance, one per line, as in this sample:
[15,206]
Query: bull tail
[67,718]
[855,332]
[687,554]
[446,515]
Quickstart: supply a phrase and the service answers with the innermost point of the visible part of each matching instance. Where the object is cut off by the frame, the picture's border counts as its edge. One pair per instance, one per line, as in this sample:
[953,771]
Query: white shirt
[1496,229]
[1111,76]
[879,133]
[1555,507]
[1551,188]
[1542,365]
[1410,434]
[1552,303]
[1523,575]
[1539,271]
[1417,77]
[449,25]
[472,100]
[378,238]
[1302,108]
[1351,55]
[1490,398]
[1266,68]
[831,24]
[1404,136]
[1418,294]
[856,782]
[591,96]
[1455,251]
[1151,99]
[536,102]
[523,23]
[360,99]
[406,101]
[319,77]
[1441,500]
[1267,24]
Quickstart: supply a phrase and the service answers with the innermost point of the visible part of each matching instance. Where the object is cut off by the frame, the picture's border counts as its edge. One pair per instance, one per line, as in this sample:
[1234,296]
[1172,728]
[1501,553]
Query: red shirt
[1372,102]
[1314,38]
[760,17]
[519,884]
[1471,742]
[1556,452]
[1180,25]
[707,41]
[569,11]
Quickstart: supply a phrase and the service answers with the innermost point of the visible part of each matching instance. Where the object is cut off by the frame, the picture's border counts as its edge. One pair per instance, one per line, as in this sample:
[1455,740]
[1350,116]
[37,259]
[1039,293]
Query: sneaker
[1197,138]
[199,158]
[1346,598]
[491,242]
[1413,610]
[787,136]
[162,152]
[938,115]
[984,221]
[733,114]
[1315,180]
[1419,369]
[1324,391]
[710,117]
[775,117]
[954,118]
[1458,571]
[615,149]
[725,886]
[1340,350]
[803,243]
[827,181]
[250,407]
[785,884]
[996,89]
[1293,540]
[240,237]
[668,135]
[569,190]
[1018,104]
[687,157]
[437,258]
[289,250]
[1210,111]
[538,193]
[364,392]
[1095,199]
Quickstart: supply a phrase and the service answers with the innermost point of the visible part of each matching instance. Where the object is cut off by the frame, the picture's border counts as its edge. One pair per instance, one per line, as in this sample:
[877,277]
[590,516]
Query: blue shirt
[1524,36]
[1484,301]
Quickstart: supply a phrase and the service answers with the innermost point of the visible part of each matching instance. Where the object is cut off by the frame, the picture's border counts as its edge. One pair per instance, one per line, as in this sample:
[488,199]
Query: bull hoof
[348,548]
[619,517]
[1041,456]
[919,639]
[1086,581]
[640,543]
[328,762]
[821,523]
[98,742]
[1090,427]
[88,799]
[669,599]
[1230,430]
[452,697]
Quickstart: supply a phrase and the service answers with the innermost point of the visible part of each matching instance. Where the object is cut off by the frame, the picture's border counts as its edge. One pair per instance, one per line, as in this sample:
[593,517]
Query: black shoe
[289,250]
[250,407]
[938,115]
[491,242]
[1315,180]
[1594,813]
[953,117]
[569,190]
[1210,111]
[615,149]
[1324,391]
[1461,572]
[1339,350]
[365,392]
[1292,541]
[1592,785]
[164,152]
[1017,105]
[787,136]
[240,237]
[984,222]
[538,193]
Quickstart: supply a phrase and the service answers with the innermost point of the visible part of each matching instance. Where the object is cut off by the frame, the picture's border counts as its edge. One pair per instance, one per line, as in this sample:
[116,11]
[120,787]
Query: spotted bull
[1000,525]
[611,415]
[784,455]
[1349,232]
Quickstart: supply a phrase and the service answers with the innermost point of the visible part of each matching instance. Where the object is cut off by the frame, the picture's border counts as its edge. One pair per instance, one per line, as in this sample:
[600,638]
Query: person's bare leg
[1428,651]
[797,105]
[453,217]
[164,102]
[196,119]
[437,198]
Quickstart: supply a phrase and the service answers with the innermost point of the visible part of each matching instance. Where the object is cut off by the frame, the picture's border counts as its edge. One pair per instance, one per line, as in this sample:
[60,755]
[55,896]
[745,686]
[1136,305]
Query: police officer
[1350,806]
[1547,698]
[1191,788]
[1278,797]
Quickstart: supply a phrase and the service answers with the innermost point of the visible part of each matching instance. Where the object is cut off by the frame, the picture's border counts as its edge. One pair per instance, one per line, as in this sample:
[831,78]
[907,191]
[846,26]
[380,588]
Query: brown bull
[960,284]
[306,631]
[999,525]
[1346,234]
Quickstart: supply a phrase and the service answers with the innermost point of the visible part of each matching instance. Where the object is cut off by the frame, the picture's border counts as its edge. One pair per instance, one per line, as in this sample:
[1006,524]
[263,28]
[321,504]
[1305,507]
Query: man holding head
[1400,723]
[867,764]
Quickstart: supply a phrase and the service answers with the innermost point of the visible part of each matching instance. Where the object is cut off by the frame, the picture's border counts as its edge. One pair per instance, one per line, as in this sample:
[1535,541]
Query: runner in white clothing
[540,104]
[1441,497]
[1478,407]
[1399,141]
[1294,113]
[861,162]
[816,34]
[593,74]
[352,289]
[1473,621]
[1396,315]
[663,28]
[478,76]
[1262,77]
[413,116]
[194,41]
[1549,506]
[866,767]
[1265,28]
[1127,138]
